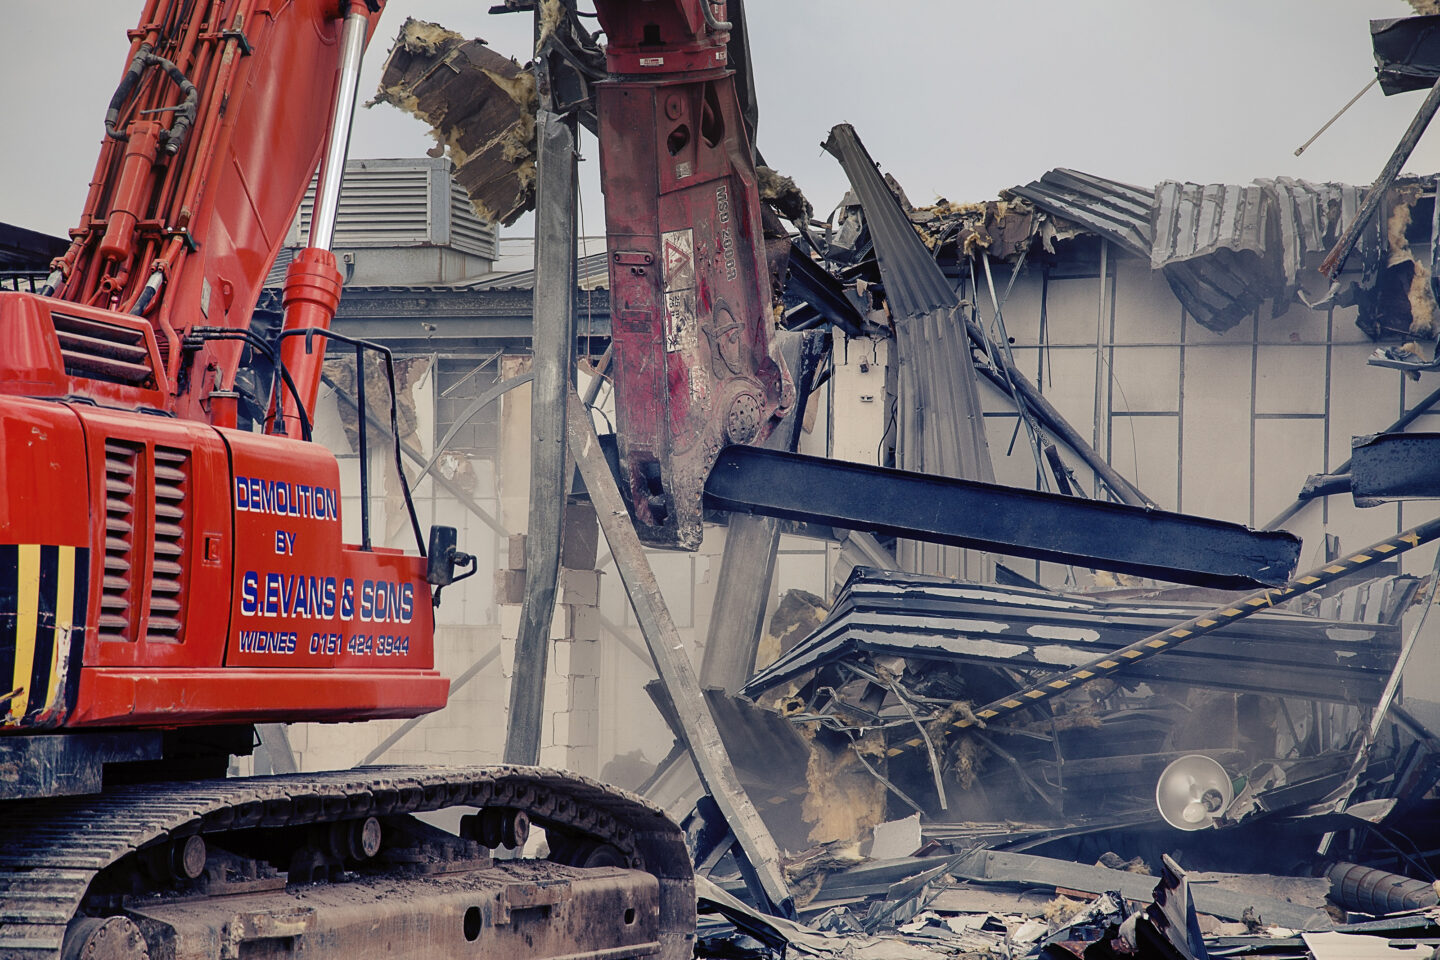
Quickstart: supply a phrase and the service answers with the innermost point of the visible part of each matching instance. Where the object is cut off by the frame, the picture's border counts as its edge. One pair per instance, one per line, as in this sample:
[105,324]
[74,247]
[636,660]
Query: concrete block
[585,760]
[580,586]
[581,539]
[585,623]
[507,656]
[517,551]
[466,757]
[574,658]
[575,728]
[509,620]
[560,655]
[584,694]
[557,693]
[560,622]
[509,586]
[585,658]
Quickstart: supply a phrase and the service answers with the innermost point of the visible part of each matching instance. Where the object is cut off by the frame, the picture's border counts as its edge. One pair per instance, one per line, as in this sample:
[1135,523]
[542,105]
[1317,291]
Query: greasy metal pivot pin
[1206,623]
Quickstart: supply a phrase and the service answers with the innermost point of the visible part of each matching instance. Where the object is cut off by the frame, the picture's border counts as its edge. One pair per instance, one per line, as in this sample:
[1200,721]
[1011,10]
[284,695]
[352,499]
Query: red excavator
[172,564]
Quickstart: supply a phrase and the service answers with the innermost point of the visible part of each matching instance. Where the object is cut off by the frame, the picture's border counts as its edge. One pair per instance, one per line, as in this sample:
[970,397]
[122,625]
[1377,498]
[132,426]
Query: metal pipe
[1377,891]
[363,423]
[332,167]
[714,24]
[1338,114]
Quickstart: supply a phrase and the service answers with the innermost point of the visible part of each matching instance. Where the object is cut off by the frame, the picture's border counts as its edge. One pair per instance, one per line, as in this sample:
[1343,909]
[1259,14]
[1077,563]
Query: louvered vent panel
[103,351]
[468,233]
[122,475]
[385,205]
[167,581]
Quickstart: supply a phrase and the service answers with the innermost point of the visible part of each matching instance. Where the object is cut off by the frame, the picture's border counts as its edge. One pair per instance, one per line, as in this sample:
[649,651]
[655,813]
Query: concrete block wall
[570,732]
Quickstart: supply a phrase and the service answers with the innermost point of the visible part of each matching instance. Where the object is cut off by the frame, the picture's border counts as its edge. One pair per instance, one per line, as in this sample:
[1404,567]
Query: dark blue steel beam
[987,516]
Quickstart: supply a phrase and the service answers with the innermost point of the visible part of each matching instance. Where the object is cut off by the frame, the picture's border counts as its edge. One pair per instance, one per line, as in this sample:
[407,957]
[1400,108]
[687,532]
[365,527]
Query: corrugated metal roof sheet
[885,613]
[914,285]
[1223,248]
[1117,211]
[1193,220]
[941,430]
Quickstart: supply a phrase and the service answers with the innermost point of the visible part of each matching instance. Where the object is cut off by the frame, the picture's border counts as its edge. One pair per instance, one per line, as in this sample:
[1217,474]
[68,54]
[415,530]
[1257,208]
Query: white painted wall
[1222,425]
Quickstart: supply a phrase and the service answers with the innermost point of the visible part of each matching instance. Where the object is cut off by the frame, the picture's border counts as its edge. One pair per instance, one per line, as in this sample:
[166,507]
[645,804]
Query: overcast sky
[956,98]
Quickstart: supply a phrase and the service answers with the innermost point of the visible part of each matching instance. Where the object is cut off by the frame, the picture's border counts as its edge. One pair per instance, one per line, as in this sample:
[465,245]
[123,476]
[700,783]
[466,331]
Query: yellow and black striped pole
[1209,622]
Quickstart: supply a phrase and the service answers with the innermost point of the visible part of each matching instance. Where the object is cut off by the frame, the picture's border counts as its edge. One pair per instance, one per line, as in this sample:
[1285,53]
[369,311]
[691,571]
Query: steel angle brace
[990,516]
[761,863]
[1207,623]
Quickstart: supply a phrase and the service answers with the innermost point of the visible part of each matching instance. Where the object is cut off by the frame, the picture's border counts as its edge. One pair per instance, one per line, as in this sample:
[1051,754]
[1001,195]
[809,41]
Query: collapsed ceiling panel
[481,110]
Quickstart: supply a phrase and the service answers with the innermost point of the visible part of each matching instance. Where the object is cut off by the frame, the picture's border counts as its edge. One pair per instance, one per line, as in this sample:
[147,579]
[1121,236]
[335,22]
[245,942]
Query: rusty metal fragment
[481,110]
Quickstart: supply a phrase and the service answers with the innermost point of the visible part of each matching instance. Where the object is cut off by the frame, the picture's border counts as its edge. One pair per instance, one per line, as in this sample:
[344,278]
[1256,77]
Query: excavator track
[53,851]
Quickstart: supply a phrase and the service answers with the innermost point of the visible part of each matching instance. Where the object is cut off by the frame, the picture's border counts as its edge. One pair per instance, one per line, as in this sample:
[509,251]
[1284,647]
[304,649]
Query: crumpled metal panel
[1224,249]
[1192,220]
[1407,52]
[914,285]
[1117,211]
[940,424]
[929,618]
[1310,217]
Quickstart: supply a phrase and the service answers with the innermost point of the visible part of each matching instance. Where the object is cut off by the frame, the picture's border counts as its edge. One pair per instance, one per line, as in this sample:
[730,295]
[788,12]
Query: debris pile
[1059,834]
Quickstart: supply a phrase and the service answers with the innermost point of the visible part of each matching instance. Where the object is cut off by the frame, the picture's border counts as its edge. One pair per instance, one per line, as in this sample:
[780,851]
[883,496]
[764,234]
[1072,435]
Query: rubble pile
[1230,805]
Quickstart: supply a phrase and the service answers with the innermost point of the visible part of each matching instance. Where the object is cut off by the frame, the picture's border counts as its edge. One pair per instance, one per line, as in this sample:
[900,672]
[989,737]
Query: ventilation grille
[379,206]
[103,351]
[167,583]
[122,476]
[468,233]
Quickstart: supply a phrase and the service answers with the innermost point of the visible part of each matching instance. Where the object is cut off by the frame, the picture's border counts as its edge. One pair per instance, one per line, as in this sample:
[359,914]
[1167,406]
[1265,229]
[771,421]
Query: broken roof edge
[1224,248]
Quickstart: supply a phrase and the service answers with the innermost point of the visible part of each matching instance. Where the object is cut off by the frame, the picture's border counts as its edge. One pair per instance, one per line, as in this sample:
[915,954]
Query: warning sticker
[678,253]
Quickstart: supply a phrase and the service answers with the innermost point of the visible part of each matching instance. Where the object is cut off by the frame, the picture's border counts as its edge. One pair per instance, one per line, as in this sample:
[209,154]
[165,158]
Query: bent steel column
[553,345]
